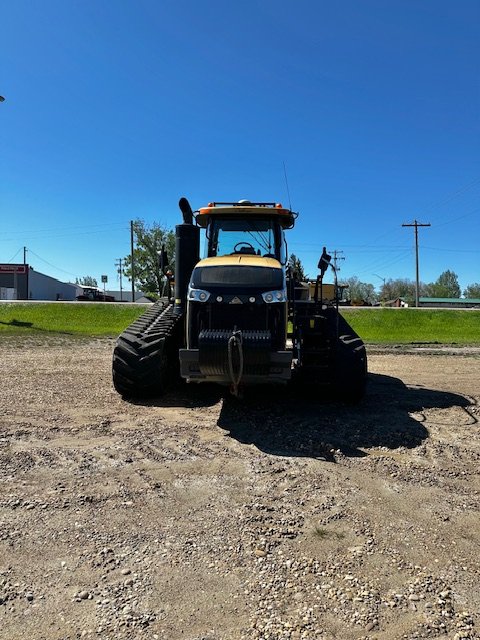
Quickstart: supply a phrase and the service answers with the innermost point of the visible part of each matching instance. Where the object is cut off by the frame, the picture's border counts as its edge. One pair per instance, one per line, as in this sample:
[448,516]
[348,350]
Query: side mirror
[163,259]
[324,262]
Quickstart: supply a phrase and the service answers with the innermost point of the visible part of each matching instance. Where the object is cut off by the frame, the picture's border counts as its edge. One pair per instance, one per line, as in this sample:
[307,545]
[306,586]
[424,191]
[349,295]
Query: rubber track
[344,370]
[351,368]
[147,352]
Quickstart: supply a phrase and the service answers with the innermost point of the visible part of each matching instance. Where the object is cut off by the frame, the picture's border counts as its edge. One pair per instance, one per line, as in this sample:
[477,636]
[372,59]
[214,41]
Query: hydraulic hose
[235,342]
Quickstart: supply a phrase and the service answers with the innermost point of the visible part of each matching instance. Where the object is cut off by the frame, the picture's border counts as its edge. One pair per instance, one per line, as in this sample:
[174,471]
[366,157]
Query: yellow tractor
[240,317]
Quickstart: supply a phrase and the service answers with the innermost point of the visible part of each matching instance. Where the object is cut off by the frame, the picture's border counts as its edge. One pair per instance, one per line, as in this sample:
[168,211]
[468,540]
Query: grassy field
[381,326]
[79,319]
[403,326]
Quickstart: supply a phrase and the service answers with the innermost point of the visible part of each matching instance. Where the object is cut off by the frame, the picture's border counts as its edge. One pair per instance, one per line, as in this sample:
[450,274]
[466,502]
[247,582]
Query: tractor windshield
[234,236]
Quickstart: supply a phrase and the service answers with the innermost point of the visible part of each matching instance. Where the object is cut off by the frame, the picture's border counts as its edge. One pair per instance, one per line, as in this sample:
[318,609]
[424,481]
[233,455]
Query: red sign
[13,268]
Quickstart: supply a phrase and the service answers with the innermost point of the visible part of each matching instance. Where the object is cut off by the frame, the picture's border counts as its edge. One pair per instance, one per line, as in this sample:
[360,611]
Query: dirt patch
[202,517]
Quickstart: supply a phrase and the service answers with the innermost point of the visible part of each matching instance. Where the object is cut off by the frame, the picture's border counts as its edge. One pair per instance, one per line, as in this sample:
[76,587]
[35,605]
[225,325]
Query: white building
[22,282]
[43,287]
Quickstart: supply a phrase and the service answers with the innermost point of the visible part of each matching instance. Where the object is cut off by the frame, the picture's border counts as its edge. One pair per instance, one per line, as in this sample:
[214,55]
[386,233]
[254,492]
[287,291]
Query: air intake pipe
[187,254]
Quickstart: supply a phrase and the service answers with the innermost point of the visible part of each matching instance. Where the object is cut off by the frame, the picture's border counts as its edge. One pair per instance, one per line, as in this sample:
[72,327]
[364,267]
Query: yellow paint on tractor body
[245,260]
[285,216]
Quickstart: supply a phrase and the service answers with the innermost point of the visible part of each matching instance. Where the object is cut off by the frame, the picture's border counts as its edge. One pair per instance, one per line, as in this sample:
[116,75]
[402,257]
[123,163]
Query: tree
[472,290]
[446,286]
[86,281]
[401,288]
[296,266]
[358,291]
[149,241]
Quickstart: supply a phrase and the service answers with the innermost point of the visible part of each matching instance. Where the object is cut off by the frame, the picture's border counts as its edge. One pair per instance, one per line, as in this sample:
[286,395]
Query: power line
[383,264]
[380,277]
[451,196]
[386,249]
[13,258]
[465,215]
[52,265]
[450,250]
[60,235]
[83,226]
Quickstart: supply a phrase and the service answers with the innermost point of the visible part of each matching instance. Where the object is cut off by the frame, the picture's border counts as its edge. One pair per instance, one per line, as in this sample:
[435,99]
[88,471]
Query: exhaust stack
[186,210]
[187,254]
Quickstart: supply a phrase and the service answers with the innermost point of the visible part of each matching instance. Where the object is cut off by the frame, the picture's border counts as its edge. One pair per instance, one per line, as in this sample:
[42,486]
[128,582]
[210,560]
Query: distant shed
[396,302]
[126,295]
[451,303]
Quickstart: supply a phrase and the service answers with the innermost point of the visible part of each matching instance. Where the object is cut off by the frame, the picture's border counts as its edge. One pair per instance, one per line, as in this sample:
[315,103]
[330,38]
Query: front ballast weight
[145,358]
[235,357]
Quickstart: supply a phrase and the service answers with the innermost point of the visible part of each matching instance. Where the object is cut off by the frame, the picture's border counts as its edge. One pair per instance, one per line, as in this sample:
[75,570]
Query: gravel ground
[203,517]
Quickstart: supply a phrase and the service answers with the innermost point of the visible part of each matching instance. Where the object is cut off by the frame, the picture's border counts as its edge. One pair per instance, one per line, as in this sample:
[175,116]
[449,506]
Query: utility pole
[417,279]
[132,260]
[382,279]
[118,264]
[382,291]
[26,272]
[336,258]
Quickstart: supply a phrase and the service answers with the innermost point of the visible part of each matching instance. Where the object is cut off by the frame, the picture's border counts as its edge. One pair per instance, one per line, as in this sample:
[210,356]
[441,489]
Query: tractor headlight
[275,296]
[198,295]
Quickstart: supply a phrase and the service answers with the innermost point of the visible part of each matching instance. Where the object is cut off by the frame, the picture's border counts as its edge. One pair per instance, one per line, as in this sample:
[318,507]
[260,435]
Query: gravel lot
[202,517]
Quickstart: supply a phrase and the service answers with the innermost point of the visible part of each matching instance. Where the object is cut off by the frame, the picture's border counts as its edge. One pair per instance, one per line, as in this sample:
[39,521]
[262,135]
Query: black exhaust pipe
[187,254]
[186,210]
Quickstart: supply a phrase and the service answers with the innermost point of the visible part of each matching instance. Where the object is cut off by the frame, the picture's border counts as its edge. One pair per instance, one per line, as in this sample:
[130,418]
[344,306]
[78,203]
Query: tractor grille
[246,317]
[226,316]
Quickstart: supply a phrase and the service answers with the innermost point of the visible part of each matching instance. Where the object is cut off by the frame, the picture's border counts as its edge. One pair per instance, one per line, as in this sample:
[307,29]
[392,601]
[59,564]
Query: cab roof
[247,209]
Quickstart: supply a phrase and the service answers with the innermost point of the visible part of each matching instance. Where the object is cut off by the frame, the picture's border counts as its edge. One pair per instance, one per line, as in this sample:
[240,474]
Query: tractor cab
[246,228]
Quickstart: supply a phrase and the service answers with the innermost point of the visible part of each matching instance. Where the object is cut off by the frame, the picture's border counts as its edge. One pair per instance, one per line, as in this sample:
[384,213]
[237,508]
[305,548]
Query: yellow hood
[246,260]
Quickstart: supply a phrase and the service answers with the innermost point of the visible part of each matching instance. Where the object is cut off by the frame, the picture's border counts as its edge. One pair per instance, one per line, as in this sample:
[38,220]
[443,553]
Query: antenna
[286,182]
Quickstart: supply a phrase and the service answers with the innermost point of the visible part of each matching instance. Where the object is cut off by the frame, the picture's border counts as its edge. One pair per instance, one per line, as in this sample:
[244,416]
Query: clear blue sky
[114,110]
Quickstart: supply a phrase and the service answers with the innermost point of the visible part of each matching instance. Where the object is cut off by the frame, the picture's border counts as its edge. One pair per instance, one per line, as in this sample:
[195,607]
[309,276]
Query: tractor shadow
[191,396]
[17,323]
[280,422]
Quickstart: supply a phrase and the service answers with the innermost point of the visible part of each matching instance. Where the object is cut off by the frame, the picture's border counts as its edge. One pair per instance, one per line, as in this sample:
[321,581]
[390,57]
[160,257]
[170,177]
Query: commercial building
[22,282]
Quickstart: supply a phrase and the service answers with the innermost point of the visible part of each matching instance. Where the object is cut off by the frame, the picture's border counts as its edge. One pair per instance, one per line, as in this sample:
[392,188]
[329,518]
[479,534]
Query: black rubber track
[145,357]
[341,370]
[350,369]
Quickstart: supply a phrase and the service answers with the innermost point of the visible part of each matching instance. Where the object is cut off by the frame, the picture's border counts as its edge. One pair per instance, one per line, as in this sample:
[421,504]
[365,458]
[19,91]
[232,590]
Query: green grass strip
[87,319]
[404,326]
[373,325]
